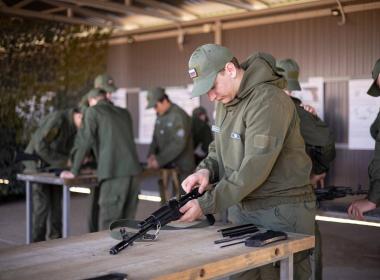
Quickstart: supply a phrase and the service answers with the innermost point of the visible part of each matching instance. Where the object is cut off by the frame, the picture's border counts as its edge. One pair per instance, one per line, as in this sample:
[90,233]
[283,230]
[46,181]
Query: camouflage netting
[44,65]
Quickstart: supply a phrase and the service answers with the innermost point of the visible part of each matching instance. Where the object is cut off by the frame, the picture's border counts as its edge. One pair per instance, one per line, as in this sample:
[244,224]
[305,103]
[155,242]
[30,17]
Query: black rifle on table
[330,193]
[164,215]
[42,165]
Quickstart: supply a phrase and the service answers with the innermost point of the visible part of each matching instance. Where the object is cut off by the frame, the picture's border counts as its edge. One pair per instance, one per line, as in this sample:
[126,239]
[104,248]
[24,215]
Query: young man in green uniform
[319,141]
[52,141]
[107,130]
[358,207]
[258,159]
[172,144]
[202,135]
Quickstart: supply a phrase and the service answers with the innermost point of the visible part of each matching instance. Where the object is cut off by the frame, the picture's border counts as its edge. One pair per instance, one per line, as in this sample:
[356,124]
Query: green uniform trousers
[295,217]
[47,212]
[118,199]
[93,217]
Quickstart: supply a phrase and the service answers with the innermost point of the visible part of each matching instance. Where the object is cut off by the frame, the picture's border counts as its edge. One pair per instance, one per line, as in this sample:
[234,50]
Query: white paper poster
[363,110]
[119,97]
[312,94]
[147,117]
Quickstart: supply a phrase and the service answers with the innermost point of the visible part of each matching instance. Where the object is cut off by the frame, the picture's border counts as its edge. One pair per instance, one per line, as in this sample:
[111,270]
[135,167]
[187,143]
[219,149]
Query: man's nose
[211,95]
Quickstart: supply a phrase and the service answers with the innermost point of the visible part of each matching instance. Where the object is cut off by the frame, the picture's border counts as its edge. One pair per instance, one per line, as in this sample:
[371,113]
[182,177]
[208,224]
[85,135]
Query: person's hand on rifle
[198,179]
[191,211]
[358,207]
[66,175]
[318,179]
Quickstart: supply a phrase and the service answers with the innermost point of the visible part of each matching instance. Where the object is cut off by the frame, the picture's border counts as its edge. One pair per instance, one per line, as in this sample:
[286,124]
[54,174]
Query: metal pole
[29,209]
[66,211]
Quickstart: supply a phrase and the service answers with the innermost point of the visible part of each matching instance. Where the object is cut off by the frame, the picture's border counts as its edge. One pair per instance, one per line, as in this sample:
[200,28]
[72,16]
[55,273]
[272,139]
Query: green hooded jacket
[172,142]
[107,130]
[319,140]
[258,156]
[374,166]
[53,140]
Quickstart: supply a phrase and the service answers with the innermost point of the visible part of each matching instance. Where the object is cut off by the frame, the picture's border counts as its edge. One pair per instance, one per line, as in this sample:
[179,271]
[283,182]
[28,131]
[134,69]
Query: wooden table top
[177,254]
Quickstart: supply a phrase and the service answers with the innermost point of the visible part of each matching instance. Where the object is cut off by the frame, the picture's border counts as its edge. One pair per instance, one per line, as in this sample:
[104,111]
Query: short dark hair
[165,96]
[235,62]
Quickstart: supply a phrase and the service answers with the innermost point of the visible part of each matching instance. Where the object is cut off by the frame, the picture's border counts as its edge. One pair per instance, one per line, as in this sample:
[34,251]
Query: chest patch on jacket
[235,135]
[215,129]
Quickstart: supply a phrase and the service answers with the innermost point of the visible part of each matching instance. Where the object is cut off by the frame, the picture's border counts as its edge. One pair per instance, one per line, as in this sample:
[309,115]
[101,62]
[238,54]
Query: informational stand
[363,110]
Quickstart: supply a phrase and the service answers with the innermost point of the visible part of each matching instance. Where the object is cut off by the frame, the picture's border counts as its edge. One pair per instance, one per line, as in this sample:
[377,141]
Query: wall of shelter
[320,46]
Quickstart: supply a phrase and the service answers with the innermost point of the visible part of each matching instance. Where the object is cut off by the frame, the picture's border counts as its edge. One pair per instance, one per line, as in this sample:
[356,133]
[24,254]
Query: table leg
[286,268]
[29,209]
[66,211]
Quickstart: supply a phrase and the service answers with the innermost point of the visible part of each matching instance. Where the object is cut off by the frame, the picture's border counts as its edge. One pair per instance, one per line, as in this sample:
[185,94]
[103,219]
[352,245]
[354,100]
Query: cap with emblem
[291,72]
[95,92]
[204,64]
[374,90]
[105,82]
[154,95]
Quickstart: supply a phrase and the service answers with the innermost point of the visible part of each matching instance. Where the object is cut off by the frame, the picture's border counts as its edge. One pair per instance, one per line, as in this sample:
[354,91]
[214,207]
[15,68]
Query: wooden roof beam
[235,4]
[121,8]
[22,3]
[85,12]
[167,7]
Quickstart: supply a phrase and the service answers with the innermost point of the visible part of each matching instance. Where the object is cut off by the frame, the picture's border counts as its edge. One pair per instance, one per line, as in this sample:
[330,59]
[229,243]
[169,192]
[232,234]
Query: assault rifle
[330,193]
[167,213]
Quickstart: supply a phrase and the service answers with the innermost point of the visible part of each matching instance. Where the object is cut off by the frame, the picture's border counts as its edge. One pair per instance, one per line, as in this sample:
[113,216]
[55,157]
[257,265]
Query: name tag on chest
[215,129]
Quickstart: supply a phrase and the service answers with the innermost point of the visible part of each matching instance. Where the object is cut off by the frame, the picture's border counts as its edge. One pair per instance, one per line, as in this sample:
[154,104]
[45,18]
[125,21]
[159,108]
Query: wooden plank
[184,254]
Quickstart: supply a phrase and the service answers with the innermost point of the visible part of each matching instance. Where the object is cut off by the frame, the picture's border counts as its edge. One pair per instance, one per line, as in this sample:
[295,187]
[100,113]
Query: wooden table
[89,180]
[177,254]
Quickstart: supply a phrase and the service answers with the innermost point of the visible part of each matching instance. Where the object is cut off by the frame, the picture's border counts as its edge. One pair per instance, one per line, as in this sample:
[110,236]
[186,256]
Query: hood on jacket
[259,68]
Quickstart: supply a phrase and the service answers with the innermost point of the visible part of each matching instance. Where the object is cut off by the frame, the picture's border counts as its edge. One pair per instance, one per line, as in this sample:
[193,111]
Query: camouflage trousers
[118,199]
[295,217]
[47,212]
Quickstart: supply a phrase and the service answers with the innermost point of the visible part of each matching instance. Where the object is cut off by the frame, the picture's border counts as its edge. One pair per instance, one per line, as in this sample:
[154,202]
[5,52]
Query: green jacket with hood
[374,166]
[258,156]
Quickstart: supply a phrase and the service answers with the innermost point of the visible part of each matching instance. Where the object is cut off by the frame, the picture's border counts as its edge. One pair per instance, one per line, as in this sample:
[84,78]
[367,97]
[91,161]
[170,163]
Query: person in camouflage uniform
[107,130]
[358,207]
[202,135]
[52,142]
[257,160]
[172,144]
[319,141]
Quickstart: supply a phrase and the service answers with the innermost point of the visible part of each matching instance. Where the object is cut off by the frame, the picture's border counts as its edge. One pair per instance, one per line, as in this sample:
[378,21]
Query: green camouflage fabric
[319,139]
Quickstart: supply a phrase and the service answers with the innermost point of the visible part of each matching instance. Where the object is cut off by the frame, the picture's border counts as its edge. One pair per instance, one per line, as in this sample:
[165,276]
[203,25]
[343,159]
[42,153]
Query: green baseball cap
[105,82]
[154,95]
[374,89]
[204,64]
[291,72]
[95,92]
